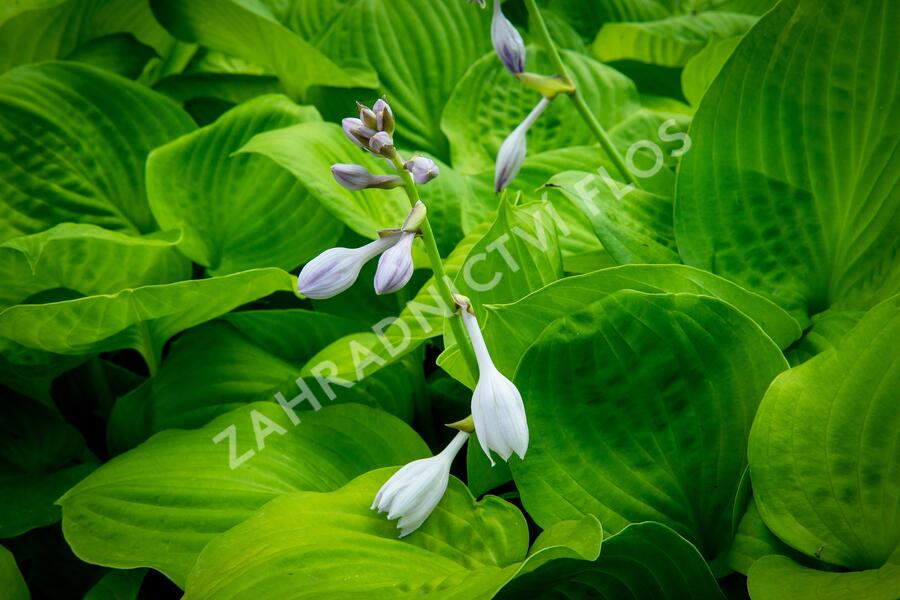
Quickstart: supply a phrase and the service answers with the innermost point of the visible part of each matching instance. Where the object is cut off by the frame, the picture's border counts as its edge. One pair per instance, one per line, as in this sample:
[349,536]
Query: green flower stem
[437,267]
[581,106]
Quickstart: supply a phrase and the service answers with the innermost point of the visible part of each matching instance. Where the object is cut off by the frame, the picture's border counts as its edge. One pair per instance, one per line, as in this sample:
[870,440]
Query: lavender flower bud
[357,177]
[357,131]
[381,143]
[507,42]
[512,151]
[395,267]
[366,115]
[422,168]
[384,116]
[335,270]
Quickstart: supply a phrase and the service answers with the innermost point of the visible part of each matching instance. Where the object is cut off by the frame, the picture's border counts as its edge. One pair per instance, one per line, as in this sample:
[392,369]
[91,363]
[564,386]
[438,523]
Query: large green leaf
[10,578]
[753,540]
[419,55]
[587,17]
[658,393]
[42,457]
[300,546]
[142,318]
[825,448]
[488,103]
[703,67]
[159,504]
[777,577]
[118,585]
[644,560]
[669,42]
[238,212]
[791,186]
[87,260]
[308,150]
[248,29]
[244,357]
[73,143]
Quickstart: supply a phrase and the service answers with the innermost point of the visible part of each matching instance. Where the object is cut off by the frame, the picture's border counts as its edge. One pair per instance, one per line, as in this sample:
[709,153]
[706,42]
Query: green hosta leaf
[466,549]
[248,29]
[42,457]
[828,328]
[669,42]
[634,227]
[644,560]
[141,318]
[86,131]
[60,29]
[753,540]
[790,188]
[825,448]
[120,53]
[238,212]
[87,260]
[703,67]
[308,150]
[118,585]
[488,104]
[159,504]
[419,55]
[659,391]
[777,577]
[587,17]
[219,366]
[31,372]
[11,580]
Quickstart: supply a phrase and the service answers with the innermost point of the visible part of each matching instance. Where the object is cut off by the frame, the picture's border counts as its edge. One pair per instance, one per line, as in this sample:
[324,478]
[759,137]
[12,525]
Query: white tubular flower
[395,267]
[357,177]
[335,270]
[512,151]
[507,41]
[497,408]
[422,169]
[413,492]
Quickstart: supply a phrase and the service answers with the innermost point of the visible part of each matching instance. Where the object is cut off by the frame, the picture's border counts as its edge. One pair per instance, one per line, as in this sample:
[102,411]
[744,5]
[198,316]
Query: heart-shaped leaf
[11,578]
[777,577]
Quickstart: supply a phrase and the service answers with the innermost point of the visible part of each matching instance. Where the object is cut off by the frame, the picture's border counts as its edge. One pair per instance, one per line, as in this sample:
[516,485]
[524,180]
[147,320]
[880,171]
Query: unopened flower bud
[367,116]
[381,143]
[512,151]
[357,131]
[357,177]
[335,270]
[507,41]
[395,267]
[384,116]
[422,168]
[413,492]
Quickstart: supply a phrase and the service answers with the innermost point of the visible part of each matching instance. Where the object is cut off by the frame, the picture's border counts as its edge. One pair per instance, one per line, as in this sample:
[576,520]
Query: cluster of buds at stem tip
[512,151]
[372,129]
[414,491]
[336,269]
[508,43]
[498,412]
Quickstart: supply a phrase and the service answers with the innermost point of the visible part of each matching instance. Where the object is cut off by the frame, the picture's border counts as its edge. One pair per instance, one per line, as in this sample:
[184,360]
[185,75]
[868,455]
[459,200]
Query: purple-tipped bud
[381,143]
[357,177]
[384,116]
[507,42]
[512,151]
[357,132]
[395,267]
[366,115]
[422,169]
[335,270]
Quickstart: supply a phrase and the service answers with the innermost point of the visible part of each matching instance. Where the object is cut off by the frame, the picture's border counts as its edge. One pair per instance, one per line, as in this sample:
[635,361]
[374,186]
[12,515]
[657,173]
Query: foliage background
[709,365]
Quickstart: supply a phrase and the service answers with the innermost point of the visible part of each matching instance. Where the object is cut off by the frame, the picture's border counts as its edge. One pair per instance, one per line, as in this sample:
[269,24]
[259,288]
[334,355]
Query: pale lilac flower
[357,132]
[497,407]
[422,168]
[357,177]
[414,491]
[384,116]
[335,270]
[381,143]
[395,267]
[507,41]
[512,151]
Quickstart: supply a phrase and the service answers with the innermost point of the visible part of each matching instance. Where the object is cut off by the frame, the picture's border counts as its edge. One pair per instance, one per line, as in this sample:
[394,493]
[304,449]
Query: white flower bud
[384,116]
[507,41]
[422,168]
[414,491]
[512,151]
[357,177]
[497,407]
[395,267]
[335,270]
[357,132]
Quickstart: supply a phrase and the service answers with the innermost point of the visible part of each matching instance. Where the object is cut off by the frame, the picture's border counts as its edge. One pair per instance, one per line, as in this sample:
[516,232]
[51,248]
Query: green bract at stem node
[548,86]
[467,425]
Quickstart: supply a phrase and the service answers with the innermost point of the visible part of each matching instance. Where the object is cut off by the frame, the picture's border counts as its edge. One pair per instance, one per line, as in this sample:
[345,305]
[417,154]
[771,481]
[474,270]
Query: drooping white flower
[335,270]
[422,168]
[395,267]
[357,177]
[497,408]
[512,151]
[413,492]
[507,41]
